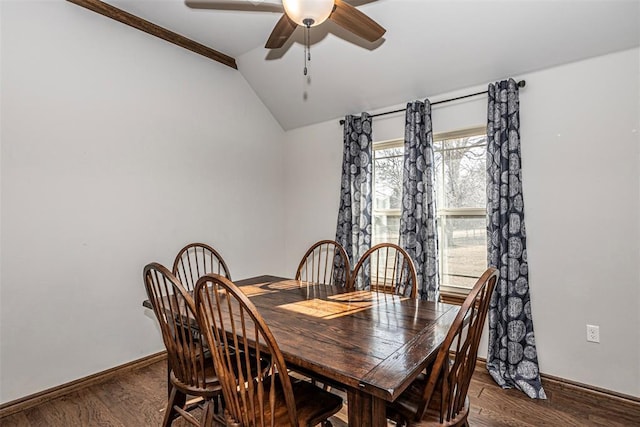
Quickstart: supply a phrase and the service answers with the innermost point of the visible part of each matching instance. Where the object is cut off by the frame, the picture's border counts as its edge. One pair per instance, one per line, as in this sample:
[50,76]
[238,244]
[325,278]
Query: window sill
[455,298]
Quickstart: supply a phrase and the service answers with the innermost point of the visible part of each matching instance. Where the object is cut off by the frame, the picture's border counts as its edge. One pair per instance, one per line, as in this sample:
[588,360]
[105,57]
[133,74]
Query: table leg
[365,410]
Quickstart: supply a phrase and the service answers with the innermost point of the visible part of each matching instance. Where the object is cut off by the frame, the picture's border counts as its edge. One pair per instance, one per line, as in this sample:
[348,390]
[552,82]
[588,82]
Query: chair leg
[218,404]
[208,413]
[168,378]
[176,398]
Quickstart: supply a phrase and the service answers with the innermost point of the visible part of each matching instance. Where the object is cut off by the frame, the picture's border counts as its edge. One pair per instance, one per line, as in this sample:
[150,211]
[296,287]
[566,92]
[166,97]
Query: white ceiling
[431,47]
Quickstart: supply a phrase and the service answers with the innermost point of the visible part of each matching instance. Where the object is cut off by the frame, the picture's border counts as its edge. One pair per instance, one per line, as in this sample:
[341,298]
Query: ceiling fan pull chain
[305,60]
[307,43]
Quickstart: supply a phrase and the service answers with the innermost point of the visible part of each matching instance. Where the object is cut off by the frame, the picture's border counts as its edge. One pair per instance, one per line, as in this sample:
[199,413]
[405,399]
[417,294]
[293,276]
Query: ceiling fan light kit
[308,13]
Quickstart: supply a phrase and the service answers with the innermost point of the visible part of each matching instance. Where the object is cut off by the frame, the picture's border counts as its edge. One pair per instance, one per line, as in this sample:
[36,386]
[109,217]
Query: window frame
[449,294]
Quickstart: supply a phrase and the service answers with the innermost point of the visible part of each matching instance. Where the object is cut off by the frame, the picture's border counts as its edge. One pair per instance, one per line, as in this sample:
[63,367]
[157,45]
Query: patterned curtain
[418,234]
[512,358]
[354,217]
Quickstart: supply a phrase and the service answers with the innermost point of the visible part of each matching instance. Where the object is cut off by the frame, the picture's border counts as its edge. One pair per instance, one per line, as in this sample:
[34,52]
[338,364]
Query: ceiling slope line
[155,30]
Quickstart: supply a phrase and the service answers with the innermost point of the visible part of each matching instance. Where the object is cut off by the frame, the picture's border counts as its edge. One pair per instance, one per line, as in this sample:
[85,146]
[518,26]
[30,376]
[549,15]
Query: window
[387,191]
[460,181]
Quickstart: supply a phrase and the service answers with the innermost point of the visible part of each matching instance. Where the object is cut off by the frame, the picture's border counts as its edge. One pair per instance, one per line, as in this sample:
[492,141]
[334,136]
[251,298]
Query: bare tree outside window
[460,172]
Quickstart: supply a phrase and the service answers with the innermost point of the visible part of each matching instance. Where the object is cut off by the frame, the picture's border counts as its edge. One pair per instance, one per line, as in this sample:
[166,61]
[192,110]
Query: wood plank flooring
[137,399]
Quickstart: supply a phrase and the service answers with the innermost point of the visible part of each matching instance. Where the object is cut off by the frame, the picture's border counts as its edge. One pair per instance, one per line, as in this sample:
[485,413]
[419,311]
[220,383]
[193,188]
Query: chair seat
[313,405]
[406,405]
[211,386]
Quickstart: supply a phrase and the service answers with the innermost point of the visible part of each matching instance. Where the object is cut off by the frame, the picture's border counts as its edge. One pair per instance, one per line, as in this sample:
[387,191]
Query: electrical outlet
[593,333]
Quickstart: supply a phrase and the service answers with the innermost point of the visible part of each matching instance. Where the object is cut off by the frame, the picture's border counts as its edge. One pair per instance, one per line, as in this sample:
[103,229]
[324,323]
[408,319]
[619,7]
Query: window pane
[386,228]
[389,152]
[463,245]
[388,180]
[437,176]
[460,173]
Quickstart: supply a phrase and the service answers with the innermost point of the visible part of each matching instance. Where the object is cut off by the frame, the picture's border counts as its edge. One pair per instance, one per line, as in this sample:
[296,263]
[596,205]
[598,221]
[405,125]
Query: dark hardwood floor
[137,398]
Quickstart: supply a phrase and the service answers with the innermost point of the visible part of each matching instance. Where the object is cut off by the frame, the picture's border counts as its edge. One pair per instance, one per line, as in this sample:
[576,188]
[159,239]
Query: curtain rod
[521,84]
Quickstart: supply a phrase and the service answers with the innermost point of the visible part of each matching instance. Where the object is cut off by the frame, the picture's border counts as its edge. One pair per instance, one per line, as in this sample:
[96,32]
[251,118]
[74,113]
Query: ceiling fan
[306,13]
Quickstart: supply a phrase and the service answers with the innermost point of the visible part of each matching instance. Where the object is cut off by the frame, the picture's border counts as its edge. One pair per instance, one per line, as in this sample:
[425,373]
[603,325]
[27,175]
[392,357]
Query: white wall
[117,148]
[579,131]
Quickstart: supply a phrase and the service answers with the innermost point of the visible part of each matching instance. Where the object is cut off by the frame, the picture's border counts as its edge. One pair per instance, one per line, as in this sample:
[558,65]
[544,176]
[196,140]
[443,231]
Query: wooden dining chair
[271,398]
[326,262]
[439,398]
[196,260]
[191,372]
[385,268]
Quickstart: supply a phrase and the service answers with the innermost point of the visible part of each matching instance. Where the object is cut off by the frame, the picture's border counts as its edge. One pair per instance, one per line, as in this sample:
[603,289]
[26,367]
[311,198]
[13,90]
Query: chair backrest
[176,313]
[451,372]
[240,340]
[194,261]
[325,262]
[385,268]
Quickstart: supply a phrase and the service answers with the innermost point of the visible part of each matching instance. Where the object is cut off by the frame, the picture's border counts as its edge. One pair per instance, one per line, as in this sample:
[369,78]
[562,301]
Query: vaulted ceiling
[430,47]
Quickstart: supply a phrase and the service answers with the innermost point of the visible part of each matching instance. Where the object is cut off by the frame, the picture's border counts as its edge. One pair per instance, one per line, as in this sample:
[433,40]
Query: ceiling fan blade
[281,32]
[240,5]
[350,18]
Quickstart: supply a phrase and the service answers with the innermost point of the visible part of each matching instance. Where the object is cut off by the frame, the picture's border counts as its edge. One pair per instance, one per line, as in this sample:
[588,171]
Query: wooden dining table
[370,344]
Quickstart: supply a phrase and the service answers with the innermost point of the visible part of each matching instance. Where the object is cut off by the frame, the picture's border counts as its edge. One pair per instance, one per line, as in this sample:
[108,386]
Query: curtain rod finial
[522,83]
